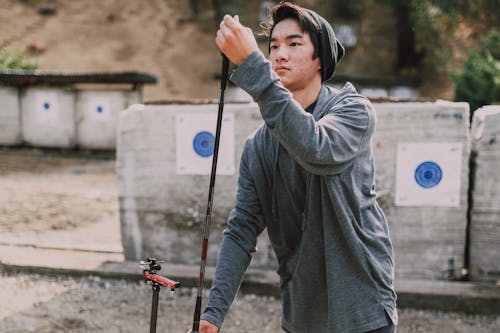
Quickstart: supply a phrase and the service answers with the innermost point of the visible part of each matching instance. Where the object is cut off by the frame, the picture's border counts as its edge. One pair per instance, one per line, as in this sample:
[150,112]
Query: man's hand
[234,40]
[207,327]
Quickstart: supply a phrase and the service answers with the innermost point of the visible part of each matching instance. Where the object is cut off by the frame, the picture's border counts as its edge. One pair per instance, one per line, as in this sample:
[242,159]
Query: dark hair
[286,10]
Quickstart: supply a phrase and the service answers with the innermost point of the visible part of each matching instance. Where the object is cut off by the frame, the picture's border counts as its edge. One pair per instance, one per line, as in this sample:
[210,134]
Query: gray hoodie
[309,179]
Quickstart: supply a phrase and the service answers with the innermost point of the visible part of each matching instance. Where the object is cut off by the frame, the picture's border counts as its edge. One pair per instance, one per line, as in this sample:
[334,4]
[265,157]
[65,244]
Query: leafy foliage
[479,84]
[433,22]
[12,59]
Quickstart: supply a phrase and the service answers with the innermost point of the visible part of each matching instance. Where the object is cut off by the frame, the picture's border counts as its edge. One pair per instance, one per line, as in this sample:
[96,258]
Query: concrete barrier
[10,117]
[52,111]
[162,206]
[97,116]
[428,237]
[48,117]
[485,211]
[162,211]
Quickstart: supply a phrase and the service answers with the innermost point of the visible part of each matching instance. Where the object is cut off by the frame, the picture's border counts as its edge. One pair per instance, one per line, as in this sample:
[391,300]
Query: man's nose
[281,54]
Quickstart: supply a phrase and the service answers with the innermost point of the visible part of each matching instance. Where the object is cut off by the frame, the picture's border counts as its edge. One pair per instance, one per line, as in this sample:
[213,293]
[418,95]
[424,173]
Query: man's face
[291,55]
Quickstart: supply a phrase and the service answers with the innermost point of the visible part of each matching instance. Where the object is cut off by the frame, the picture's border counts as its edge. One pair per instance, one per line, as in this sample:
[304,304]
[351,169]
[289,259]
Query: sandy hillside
[154,36]
[164,38]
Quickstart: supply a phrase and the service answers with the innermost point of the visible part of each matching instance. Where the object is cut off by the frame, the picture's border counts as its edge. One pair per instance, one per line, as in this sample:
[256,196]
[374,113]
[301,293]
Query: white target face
[47,108]
[99,109]
[195,140]
[428,174]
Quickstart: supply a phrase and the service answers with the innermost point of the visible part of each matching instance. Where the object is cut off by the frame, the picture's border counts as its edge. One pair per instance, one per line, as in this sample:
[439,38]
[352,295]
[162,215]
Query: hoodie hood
[330,50]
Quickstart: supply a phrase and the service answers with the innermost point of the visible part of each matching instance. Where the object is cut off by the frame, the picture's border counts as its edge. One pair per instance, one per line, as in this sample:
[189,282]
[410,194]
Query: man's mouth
[281,68]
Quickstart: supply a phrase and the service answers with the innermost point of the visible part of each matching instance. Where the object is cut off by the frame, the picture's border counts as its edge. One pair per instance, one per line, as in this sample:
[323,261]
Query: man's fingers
[235,40]
[220,40]
[230,27]
[232,23]
[220,36]
[228,19]
[224,29]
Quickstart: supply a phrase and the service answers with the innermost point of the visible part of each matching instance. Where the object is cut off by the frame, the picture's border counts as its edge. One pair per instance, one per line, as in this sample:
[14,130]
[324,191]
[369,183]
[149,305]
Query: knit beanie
[330,50]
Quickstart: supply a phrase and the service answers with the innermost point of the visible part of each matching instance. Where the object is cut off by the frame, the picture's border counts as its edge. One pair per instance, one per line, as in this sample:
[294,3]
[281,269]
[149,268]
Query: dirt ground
[113,36]
[42,193]
[54,200]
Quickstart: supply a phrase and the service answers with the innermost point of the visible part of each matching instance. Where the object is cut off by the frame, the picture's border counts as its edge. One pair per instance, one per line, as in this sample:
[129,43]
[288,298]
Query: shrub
[12,59]
[479,84]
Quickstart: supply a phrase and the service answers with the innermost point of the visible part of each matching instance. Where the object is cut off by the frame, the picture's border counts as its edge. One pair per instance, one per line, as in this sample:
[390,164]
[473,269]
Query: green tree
[479,83]
[425,28]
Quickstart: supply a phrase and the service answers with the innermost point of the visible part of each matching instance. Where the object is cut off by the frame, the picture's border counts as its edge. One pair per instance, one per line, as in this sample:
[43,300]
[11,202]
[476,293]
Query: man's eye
[273,47]
[294,44]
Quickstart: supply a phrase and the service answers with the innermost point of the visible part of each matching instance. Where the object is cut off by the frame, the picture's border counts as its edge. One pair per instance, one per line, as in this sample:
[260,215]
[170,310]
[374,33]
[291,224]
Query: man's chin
[284,82]
[287,85]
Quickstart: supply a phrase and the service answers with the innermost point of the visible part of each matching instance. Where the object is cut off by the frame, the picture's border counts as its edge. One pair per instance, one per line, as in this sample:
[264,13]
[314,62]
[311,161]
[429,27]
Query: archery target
[99,109]
[203,143]
[428,174]
[195,141]
[47,108]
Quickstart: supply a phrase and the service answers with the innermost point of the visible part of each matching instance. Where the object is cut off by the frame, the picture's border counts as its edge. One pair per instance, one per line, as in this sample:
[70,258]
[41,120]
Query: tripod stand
[157,281]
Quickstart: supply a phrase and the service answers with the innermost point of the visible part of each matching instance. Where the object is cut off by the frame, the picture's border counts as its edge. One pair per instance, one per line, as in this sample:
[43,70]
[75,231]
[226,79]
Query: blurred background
[90,183]
[397,48]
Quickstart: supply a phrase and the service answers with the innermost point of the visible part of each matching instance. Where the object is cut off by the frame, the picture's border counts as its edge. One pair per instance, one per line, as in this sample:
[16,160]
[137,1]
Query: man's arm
[240,238]
[321,146]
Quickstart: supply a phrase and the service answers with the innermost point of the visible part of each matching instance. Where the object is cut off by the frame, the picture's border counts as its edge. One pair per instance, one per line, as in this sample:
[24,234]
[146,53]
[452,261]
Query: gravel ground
[45,304]
[60,200]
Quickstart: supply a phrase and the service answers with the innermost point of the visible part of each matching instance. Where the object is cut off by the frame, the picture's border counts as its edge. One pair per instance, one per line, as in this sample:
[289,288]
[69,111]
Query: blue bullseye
[100,109]
[203,143]
[428,174]
[46,105]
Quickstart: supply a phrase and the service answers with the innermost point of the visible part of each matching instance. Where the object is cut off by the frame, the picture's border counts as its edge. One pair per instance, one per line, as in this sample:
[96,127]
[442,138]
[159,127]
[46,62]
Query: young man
[307,176]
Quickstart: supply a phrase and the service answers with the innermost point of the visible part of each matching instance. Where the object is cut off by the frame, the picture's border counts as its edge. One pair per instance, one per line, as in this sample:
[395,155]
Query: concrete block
[97,116]
[48,117]
[485,211]
[10,117]
[162,213]
[429,241]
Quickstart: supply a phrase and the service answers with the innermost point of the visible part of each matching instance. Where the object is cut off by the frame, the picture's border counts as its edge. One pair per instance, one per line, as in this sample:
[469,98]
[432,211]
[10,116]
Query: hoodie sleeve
[245,223]
[324,146]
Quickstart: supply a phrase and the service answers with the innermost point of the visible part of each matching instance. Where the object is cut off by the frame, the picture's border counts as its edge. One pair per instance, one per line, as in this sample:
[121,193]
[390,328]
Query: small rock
[35,48]
[47,9]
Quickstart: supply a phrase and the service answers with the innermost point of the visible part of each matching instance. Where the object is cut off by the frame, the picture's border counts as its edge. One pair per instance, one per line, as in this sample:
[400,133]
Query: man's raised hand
[236,41]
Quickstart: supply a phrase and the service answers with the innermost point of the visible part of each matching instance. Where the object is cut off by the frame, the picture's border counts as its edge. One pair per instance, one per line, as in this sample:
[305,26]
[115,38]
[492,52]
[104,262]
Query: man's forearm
[231,266]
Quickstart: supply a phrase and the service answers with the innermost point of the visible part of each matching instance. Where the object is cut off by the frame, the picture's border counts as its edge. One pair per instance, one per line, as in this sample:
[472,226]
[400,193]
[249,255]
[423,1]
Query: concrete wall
[97,116]
[162,212]
[429,241]
[48,117]
[10,116]
[485,213]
